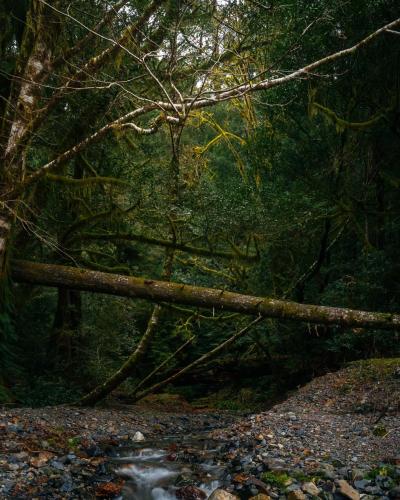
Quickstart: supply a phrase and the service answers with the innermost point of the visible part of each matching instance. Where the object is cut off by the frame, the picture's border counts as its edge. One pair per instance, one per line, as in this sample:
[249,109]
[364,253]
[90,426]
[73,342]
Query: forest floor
[337,437]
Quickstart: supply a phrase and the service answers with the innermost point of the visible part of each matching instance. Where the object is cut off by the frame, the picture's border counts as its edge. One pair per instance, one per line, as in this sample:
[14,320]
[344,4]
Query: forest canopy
[188,185]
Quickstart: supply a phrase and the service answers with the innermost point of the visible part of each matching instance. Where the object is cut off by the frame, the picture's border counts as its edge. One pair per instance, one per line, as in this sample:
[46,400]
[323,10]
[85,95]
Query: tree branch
[195,102]
[182,247]
[163,291]
[205,357]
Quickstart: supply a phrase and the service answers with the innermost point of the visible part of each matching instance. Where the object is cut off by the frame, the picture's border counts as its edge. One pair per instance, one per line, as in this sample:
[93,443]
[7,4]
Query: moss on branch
[164,291]
[182,247]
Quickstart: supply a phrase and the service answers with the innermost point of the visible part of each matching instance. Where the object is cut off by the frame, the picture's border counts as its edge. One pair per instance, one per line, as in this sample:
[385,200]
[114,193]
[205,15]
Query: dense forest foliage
[240,145]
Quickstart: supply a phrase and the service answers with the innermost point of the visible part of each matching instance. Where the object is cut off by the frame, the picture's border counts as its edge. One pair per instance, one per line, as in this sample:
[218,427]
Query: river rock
[310,488]
[362,484]
[276,465]
[395,493]
[261,496]
[190,493]
[296,495]
[358,474]
[138,436]
[220,494]
[347,491]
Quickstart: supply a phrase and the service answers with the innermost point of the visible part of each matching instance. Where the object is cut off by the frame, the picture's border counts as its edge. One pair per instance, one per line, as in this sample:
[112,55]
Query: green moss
[379,430]
[278,479]
[304,478]
[301,477]
[385,470]
[73,442]
[370,370]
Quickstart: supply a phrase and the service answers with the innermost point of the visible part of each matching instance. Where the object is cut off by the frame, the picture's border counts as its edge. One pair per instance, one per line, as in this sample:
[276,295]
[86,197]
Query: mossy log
[163,291]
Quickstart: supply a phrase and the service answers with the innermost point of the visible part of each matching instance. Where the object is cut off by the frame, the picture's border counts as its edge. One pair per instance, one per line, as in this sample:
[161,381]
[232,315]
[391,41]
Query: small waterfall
[153,473]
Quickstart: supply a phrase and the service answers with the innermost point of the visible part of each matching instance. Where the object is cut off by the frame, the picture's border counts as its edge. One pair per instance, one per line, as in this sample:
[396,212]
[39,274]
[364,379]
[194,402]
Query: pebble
[315,437]
[361,484]
[138,436]
[220,494]
[296,495]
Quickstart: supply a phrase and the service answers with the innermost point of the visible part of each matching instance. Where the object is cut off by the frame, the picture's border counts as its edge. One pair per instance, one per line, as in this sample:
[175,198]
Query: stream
[160,470]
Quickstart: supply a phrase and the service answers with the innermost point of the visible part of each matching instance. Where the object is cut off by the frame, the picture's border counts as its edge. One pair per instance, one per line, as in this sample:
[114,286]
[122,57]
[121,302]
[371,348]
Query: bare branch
[194,102]
[393,32]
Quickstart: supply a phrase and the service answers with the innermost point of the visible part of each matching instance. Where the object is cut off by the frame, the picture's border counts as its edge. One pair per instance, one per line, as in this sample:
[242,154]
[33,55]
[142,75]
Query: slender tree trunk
[205,357]
[148,377]
[32,68]
[102,390]
[212,298]
[130,364]
[67,319]
[116,379]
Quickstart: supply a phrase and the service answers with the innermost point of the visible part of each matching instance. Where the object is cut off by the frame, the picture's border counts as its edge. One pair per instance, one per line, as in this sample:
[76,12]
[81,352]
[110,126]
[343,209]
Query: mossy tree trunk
[211,298]
[68,314]
[118,377]
[199,361]
[30,48]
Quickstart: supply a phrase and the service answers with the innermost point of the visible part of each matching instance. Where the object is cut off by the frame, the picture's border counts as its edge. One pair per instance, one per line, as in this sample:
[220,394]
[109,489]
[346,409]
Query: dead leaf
[109,490]
[41,459]
[240,478]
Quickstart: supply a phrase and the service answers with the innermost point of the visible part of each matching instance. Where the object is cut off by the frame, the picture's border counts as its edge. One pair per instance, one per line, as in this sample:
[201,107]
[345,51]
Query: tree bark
[236,254]
[23,101]
[163,291]
[148,377]
[102,390]
[205,357]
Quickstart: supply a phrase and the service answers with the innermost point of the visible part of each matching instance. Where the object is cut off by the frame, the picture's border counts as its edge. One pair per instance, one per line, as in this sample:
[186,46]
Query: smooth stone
[310,488]
[220,494]
[276,465]
[362,484]
[138,436]
[57,465]
[394,492]
[293,487]
[296,495]
[347,491]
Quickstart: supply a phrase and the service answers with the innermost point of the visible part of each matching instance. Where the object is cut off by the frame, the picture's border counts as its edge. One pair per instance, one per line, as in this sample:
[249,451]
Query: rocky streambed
[325,441]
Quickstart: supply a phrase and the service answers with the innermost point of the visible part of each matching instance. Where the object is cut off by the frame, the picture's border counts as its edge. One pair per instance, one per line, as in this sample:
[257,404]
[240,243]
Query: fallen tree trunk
[158,368]
[102,390]
[205,357]
[119,376]
[163,291]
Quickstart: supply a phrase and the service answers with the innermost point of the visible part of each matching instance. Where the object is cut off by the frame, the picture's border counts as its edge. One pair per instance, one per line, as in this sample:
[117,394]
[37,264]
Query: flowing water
[156,470]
